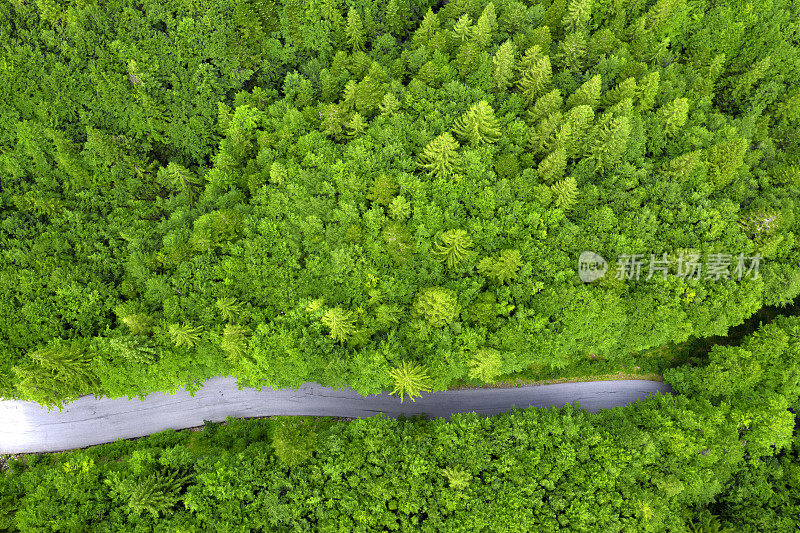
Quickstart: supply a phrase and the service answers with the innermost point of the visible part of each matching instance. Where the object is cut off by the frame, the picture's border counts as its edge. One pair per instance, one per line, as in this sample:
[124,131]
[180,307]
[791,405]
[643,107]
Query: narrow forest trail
[27,427]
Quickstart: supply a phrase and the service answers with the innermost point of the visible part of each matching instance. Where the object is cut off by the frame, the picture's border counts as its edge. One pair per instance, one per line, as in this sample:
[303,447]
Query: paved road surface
[26,427]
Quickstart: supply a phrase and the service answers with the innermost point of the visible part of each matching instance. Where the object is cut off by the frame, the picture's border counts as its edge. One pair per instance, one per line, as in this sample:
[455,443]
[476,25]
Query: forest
[718,455]
[383,195]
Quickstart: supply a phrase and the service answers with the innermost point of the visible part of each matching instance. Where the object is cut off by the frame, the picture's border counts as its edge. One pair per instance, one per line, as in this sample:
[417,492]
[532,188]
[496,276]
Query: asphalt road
[27,427]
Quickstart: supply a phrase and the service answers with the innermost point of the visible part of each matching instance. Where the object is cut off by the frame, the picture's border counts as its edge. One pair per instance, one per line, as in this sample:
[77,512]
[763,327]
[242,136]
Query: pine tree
[684,166]
[398,15]
[70,361]
[428,33]
[724,159]
[439,306]
[504,66]
[454,247]
[387,315]
[502,268]
[156,494]
[565,193]
[625,89]
[178,178]
[553,16]
[134,317]
[574,129]
[383,190]
[340,322]
[409,380]
[440,157]
[478,125]
[332,121]
[572,51]
[135,349]
[69,159]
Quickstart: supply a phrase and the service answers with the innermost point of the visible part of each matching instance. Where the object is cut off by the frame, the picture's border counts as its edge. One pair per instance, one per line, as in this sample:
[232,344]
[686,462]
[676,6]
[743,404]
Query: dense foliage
[291,191]
[720,451]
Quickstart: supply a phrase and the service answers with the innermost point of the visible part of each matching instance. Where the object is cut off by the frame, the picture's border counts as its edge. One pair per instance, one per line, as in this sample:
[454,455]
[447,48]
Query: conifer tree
[156,494]
[462,30]
[502,268]
[437,305]
[587,94]
[293,443]
[440,157]
[355,31]
[674,115]
[428,33]
[610,141]
[229,308]
[410,380]
[648,91]
[684,166]
[535,74]
[478,125]
[485,27]
[546,105]
[340,323]
[625,89]
[574,129]
[234,341]
[724,159]
[398,16]
[400,208]
[504,66]
[332,120]
[553,166]
[577,16]
[454,247]
[356,125]
[485,364]
[389,105]
[542,135]
[572,51]
[565,193]
[185,335]
[68,158]
[457,478]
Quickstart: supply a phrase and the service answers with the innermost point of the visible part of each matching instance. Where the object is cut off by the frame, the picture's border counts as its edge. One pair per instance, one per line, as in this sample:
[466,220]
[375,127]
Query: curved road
[27,427]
